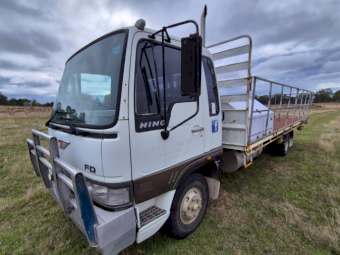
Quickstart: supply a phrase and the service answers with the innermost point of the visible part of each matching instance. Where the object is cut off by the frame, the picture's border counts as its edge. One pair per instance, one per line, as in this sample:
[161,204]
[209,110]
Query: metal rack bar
[269,102]
[233,83]
[232,68]
[278,121]
[231,53]
[304,106]
[252,111]
[290,95]
[296,100]
[310,102]
[301,100]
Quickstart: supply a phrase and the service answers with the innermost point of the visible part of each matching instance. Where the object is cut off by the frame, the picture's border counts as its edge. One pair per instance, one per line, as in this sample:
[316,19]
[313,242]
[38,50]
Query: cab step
[150,214]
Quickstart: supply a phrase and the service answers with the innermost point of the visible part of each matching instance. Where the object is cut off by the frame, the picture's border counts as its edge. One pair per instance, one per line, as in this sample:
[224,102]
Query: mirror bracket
[165,134]
[192,64]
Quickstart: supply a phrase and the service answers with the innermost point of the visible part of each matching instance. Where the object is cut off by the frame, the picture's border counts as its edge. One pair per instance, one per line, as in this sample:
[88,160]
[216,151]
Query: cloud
[284,63]
[29,92]
[37,43]
[331,66]
[295,42]
[327,85]
[9,8]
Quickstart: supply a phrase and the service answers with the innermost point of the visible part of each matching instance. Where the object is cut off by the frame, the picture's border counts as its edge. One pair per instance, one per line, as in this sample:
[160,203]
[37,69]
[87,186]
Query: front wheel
[188,207]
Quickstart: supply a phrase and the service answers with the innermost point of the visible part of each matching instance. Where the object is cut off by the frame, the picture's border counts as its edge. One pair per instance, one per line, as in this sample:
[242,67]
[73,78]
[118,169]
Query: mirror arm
[165,133]
[182,23]
[174,25]
[198,106]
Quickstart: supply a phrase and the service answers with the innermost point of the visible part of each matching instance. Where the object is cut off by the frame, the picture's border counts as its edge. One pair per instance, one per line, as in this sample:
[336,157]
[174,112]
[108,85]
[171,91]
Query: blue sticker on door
[214,126]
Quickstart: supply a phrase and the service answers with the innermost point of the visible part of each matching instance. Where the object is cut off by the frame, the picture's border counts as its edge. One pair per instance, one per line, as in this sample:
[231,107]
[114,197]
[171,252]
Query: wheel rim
[191,205]
[286,144]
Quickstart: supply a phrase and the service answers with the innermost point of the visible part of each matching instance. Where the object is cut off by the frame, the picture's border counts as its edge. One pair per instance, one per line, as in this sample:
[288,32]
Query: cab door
[157,163]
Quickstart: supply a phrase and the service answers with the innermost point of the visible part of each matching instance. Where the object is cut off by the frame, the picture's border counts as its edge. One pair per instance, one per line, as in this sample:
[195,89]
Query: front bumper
[109,232]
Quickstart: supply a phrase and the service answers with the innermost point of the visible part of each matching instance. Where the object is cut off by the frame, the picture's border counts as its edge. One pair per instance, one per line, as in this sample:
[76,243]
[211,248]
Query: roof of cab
[133,30]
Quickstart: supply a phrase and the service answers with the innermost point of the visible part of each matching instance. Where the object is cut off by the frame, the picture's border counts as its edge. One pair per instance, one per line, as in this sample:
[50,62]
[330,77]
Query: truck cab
[115,98]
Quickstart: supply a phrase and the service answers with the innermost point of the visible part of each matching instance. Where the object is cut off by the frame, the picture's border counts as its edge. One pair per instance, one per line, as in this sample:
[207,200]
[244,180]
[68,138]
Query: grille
[150,214]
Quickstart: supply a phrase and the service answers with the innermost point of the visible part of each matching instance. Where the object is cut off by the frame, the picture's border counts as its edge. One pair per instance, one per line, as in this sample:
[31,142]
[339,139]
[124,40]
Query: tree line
[326,95]
[20,102]
[322,96]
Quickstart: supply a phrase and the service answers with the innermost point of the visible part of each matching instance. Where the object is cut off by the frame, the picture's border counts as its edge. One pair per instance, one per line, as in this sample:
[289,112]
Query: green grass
[279,205]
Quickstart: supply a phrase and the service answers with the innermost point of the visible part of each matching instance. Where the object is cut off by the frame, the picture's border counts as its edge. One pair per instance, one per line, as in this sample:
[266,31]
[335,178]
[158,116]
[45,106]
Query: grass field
[21,111]
[286,205]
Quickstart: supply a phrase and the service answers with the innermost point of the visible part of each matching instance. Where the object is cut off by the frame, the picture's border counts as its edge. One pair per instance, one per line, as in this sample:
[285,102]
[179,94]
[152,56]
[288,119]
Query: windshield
[88,94]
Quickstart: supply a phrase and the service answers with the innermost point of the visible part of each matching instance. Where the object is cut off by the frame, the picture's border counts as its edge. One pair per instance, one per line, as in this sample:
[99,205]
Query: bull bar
[109,232]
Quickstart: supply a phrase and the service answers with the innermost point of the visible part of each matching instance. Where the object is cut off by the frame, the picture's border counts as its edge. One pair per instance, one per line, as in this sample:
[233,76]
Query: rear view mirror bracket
[191,54]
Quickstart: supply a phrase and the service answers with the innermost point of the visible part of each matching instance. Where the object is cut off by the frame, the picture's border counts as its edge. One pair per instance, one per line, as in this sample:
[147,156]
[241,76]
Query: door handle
[197,129]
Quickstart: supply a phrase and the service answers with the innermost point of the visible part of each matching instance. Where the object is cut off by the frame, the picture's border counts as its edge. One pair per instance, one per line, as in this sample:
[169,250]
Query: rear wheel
[188,207]
[291,135]
[285,145]
[279,149]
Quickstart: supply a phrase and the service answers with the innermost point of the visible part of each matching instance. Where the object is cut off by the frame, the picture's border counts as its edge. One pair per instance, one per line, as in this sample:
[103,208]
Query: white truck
[140,131]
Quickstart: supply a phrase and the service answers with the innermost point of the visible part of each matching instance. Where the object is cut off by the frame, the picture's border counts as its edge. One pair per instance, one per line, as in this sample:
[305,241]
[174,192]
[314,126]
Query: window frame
[120,82]
[216,85]
[148,115]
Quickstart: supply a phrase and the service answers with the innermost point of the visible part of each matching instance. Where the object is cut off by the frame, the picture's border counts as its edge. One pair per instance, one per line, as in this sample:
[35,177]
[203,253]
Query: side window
[211,86]
[149,97]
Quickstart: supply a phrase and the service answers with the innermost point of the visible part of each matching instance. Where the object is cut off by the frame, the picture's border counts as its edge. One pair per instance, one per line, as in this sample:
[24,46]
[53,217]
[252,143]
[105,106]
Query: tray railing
[301,108]
[237,124]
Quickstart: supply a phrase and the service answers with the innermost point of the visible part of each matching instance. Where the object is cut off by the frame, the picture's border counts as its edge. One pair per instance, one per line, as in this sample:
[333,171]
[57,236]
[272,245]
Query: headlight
[107,196]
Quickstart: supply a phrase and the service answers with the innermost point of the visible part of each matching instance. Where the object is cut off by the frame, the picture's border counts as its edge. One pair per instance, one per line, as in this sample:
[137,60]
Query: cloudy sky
[294,42]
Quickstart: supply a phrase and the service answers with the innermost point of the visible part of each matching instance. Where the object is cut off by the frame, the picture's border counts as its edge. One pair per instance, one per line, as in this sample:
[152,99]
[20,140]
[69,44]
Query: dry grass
[330,136]
[327,105]
[25,111]
[286,205]
[324,107]
[316,108]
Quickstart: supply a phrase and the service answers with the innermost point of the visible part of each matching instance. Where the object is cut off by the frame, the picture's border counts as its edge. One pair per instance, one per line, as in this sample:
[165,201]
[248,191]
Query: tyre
[280,149]
[285,146]
[188,207]
[291,141]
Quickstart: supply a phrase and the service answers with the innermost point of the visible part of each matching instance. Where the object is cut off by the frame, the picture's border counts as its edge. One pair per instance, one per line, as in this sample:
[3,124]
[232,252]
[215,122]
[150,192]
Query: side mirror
[191,65]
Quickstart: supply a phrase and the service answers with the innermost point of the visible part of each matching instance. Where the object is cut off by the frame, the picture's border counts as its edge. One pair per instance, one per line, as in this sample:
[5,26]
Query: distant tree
[48,104]
[3,99]
[12,101]
[324,95]
[336,96]
[20,102]
[34,102]
[275,100]
[107,99]
[25,100]
[263,99]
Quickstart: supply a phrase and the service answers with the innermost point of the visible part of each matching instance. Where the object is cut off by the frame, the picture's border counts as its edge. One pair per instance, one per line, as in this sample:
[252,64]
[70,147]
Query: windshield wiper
[72,127]
[57,111]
